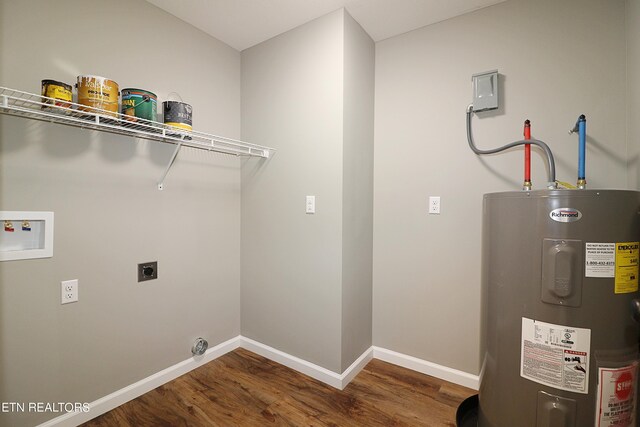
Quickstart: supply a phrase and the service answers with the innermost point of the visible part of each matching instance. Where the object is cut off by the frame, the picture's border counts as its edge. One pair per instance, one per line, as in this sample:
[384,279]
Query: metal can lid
[102,80]
[169,103]
[55,82]
[143,91]
[91,76]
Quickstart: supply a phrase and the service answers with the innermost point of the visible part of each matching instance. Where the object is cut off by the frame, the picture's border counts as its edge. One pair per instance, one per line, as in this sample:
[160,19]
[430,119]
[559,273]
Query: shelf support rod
[166,171]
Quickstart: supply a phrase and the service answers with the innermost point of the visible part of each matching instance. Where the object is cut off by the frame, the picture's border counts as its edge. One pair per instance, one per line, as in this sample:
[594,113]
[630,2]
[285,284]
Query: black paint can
[177,114]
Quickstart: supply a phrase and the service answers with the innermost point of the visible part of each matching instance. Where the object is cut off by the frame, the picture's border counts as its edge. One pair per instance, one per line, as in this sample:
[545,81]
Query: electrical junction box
[485,91]
[147,271]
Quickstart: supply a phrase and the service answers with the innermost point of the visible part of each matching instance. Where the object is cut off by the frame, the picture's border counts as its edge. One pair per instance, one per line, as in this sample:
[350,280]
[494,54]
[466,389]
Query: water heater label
[555,355]
[600,260]
[565,215]
[626,267]
[616,401]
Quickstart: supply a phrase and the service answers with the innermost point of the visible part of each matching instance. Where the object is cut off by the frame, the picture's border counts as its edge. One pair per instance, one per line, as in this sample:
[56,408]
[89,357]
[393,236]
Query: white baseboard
[339,381]
[117,398]
[433,369]
[331,378]
[357,366]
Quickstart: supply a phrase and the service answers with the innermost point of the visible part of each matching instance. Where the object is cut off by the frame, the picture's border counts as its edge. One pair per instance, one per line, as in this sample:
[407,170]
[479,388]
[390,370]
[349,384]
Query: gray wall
[306,279]
[306,286]
[558,59]
[357,192]
[633,91]
[292,91]
[109,216]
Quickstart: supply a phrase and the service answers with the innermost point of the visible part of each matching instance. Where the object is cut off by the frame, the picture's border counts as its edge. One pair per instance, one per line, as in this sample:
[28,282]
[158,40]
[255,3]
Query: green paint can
[139,104]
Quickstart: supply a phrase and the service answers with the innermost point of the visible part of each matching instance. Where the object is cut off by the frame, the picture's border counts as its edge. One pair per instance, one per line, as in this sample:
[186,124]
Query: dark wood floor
[244,389]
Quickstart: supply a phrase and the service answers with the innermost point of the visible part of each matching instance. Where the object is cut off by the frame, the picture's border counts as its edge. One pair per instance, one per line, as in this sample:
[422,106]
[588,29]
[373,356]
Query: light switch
[311,204]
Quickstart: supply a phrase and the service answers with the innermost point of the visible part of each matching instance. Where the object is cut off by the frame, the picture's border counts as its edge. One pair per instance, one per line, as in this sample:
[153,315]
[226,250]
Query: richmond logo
[565,215]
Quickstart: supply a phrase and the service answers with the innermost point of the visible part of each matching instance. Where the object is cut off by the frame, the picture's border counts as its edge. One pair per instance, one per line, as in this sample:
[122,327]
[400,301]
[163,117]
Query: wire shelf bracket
[28,105]
[168,168]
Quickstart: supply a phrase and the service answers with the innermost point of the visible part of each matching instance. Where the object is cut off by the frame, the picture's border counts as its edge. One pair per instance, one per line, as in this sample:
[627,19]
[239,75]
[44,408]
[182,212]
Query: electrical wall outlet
[68,291]
[434,205]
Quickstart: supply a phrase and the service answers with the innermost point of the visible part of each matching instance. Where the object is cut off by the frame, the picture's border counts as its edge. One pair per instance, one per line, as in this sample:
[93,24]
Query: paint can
[139,104]
[177,114]
[98,92]
[59,92]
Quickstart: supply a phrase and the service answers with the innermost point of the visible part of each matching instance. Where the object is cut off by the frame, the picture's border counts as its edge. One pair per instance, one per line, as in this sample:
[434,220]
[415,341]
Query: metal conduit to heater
[551,165]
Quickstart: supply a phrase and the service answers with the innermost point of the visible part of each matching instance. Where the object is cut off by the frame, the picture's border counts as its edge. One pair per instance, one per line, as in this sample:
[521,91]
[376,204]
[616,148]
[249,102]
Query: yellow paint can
[56,93]
[98,92]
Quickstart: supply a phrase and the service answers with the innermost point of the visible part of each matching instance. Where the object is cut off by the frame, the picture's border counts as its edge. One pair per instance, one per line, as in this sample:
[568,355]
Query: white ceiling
[244,23]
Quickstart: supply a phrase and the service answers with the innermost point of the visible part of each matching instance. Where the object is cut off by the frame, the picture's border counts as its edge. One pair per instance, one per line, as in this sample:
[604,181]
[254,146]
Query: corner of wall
[357,191]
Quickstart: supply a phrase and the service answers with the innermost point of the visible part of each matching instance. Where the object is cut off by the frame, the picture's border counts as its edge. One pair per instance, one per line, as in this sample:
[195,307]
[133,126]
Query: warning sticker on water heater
[600,260]
[616,400]
[555,355]
[626,267]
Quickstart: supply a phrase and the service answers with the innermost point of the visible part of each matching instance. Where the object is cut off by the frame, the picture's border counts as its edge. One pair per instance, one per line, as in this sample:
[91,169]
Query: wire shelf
[28,105]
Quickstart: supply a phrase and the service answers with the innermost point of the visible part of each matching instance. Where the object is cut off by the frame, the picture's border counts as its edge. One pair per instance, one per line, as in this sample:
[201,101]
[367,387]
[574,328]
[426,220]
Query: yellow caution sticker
[626,267]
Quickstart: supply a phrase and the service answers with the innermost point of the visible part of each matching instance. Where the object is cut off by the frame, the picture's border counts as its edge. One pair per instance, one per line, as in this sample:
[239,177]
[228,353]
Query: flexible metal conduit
[551,174]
